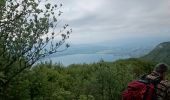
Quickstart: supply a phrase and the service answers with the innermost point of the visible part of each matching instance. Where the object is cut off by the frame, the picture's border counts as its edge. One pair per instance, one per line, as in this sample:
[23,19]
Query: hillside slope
[161,53]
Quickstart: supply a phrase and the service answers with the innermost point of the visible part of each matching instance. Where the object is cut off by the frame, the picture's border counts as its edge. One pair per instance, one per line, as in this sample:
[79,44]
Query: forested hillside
[161,53]
[98,81]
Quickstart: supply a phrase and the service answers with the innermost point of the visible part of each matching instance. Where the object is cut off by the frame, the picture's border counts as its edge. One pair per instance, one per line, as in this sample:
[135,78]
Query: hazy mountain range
[111,51]
[133,49]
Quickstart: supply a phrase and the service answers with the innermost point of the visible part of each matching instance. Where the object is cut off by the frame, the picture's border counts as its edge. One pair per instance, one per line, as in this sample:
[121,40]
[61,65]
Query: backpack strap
[146,81]
[146,92]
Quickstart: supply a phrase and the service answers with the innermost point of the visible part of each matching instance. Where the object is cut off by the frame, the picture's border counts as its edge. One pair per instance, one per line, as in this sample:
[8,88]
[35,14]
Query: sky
[96,21]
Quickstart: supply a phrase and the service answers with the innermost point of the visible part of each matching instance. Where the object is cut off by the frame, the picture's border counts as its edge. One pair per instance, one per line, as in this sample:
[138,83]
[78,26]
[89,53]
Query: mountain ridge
[161,53]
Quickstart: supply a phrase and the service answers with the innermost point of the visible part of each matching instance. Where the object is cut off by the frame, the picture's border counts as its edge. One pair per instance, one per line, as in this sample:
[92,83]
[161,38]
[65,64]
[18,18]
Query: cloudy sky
[95,21]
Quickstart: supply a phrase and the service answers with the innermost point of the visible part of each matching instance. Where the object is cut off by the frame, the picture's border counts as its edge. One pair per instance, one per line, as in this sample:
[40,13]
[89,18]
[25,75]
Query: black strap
[146,92]
[154,96]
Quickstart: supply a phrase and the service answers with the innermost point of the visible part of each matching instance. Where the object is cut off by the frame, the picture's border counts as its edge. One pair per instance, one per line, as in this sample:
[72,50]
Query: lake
[83,58]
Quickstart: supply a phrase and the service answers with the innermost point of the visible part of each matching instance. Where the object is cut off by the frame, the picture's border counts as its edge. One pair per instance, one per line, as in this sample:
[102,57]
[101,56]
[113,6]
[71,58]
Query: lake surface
[83,58]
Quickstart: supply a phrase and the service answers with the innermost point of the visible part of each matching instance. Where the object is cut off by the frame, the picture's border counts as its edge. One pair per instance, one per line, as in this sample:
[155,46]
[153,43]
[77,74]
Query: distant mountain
[161,53]
[122,50]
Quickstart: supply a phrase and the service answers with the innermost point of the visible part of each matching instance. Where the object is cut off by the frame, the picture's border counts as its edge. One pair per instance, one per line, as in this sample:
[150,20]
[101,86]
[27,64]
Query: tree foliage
[29,31]
[99,81]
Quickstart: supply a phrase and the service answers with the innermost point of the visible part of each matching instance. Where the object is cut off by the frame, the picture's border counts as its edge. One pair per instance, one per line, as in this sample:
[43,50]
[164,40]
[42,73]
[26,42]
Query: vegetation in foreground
[98,81]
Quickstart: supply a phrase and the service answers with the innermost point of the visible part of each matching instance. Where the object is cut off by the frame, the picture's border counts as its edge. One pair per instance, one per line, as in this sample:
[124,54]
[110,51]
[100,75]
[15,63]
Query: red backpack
[143,89]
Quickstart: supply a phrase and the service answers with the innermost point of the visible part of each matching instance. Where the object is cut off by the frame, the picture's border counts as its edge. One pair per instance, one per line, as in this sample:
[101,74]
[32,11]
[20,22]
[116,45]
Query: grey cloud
[112,17]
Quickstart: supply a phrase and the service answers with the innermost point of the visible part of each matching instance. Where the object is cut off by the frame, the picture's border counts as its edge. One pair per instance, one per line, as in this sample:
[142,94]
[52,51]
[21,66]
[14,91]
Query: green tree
[28,32]
[2,4]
